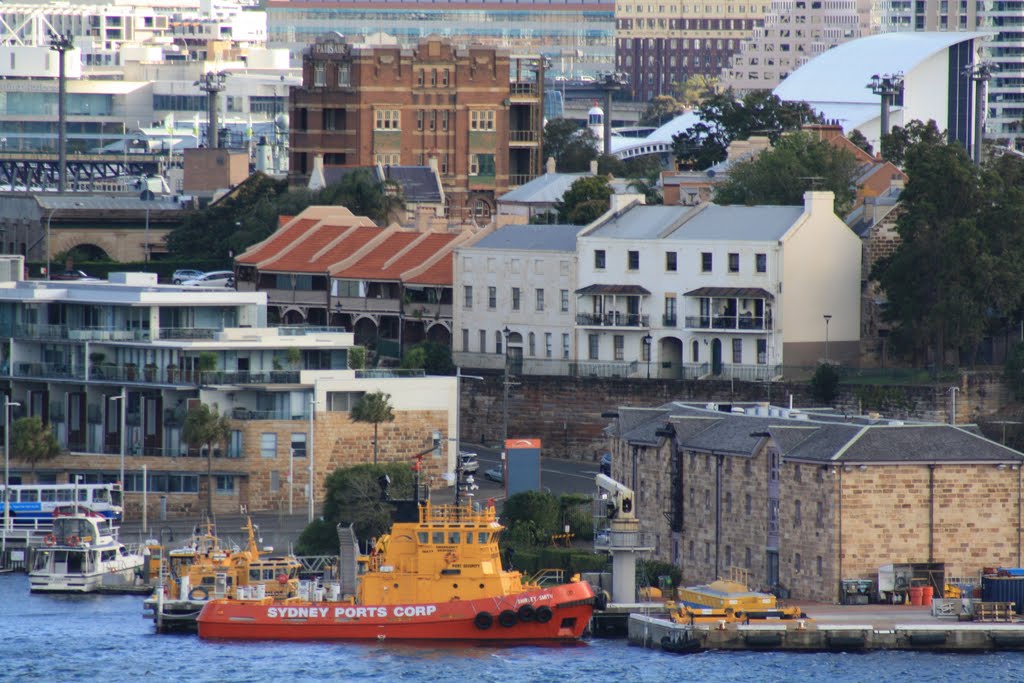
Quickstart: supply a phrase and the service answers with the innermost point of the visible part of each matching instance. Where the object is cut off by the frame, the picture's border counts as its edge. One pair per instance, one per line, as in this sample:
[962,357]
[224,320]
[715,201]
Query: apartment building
[477,111]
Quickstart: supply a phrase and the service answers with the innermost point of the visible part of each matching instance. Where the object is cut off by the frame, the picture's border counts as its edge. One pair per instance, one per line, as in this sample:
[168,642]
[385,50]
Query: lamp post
[61,43]
[647,351]
[827,318]
[121,399]
[504,400]
[312,497]
[48,219]
[888,87]
[952,412]
[7,470]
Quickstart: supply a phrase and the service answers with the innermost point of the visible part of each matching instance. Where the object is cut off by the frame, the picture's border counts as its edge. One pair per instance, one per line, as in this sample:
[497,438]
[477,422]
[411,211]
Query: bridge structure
[38,171]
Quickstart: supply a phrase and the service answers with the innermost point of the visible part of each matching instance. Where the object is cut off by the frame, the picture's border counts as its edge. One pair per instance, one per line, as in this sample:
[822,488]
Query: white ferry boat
[82,554]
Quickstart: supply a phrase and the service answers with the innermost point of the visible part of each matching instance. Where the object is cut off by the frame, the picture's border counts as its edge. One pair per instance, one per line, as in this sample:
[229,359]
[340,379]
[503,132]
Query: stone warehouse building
[806,499]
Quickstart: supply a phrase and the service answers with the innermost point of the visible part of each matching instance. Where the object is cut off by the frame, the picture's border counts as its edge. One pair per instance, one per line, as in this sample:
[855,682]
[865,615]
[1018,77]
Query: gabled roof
[420,184]
[545,189]
[531,238]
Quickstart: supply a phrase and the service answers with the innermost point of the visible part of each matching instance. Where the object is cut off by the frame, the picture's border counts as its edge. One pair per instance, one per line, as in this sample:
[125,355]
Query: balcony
[350,304]
[728,322]
[241,378]
[49,370]
[517,179]
[604,368]
[239,413]
[517,90]
[38,332]
[188,332]
[613,319]
[669,320]
[517,138]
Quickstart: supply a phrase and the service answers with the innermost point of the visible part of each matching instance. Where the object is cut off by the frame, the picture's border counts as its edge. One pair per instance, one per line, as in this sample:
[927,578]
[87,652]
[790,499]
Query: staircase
[347,555]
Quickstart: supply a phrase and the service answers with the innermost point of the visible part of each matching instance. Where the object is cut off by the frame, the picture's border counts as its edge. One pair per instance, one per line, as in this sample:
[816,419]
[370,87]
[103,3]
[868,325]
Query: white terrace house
[717,291]
[515,302]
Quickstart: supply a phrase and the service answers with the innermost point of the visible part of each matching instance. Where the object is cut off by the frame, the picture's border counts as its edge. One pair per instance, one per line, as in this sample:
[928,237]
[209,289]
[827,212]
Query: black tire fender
[544,614]
[483,620]
[507,618]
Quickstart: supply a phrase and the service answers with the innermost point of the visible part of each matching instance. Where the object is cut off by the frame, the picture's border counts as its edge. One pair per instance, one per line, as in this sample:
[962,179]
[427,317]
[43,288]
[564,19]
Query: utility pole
[61,43]
[212,83]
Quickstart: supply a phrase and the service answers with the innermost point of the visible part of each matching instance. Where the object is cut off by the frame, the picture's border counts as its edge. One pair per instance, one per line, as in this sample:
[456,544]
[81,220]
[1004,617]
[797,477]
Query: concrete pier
[832,628]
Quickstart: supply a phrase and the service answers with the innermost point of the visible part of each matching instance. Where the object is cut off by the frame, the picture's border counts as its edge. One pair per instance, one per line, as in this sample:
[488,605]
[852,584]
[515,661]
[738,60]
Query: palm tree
[373,408]
[205,426]
[33,442]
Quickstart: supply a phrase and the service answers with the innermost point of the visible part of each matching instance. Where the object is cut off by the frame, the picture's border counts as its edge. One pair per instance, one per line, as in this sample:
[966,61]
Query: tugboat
[204,569]
[436,576]
[82,555]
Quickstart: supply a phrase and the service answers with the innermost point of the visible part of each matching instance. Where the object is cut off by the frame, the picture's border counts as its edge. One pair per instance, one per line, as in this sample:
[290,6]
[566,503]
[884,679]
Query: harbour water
[105,638]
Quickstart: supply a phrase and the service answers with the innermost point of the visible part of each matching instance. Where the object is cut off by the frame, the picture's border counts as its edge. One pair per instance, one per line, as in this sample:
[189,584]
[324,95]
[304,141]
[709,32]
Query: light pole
[122,398]
[888,87]
[312,496]
[827,318]
[48,219]
[504,401]
[647,351]
[7,471]
[61,43]
[952,412]
[291,481]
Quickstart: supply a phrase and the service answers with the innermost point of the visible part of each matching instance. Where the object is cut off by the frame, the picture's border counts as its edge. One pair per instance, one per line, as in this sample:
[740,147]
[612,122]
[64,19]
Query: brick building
[804,500]
[475,110]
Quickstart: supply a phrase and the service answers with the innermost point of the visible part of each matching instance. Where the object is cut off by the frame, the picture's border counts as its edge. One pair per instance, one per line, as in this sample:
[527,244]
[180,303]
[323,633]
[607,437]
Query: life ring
[282,579]
[50,540]
[544,614]
[450,558]
[198,593]
[507,618]
[73,540]
[483,620]
[526,613]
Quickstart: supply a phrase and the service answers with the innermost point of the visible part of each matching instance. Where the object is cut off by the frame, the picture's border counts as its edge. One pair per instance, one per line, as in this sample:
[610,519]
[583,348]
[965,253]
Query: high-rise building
[1003,53]
[794,32]
[657,45]
[476,111]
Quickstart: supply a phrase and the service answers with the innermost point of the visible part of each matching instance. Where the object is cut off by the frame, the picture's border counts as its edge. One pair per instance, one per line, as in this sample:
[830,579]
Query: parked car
[215,278]
[606,464]
[496,474]
[468,462]
[185,274]
[73,275]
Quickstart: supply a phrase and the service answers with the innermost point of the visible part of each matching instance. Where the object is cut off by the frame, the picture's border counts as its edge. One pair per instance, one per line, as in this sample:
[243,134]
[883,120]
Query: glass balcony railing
[613,319]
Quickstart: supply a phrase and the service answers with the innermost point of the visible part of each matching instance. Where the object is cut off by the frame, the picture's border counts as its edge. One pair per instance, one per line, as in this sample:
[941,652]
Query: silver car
[215,278]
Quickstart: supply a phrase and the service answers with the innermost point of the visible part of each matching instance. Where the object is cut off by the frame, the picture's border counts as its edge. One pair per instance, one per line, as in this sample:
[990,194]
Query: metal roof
[741,292]
[546,189]
[625,290]
[742,223]
[531,238]
[81,202]
[642,222]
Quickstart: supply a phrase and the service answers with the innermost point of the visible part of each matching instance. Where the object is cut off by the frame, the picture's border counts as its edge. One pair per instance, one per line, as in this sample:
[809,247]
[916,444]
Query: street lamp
[647,351]
[952,415]
[312,409]
[122,399]
[888,87]
[827,318]
[7,471]
[504,402]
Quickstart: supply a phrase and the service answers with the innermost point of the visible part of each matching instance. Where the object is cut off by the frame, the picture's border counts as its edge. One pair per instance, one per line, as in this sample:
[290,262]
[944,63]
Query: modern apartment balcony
[242,378]
[613,319]
[38,332]
[741,323]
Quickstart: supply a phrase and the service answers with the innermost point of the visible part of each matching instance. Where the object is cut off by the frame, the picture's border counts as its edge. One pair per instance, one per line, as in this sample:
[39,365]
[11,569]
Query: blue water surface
[106,638]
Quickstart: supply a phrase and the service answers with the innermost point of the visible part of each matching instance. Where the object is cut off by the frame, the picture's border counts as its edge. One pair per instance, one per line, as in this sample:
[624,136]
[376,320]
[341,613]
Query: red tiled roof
[373,266]
[439,273]
[415,249]
[274,244]
[316,253]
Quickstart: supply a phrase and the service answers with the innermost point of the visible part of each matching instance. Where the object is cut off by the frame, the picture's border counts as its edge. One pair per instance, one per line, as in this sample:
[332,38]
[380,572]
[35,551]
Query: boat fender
[198,593]
[526,613]
[507,618]
[483,620]
[50,540]
[73,540]
[544,614]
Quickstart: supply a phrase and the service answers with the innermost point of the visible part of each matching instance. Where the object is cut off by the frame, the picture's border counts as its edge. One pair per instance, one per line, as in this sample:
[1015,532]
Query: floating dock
[832,628]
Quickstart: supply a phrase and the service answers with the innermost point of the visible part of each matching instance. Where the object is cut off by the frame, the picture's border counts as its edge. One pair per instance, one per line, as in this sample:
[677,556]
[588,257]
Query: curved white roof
[842,73]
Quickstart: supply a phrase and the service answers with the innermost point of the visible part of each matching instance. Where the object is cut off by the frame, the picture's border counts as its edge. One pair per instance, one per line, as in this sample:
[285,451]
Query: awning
[625,290]
[734,292]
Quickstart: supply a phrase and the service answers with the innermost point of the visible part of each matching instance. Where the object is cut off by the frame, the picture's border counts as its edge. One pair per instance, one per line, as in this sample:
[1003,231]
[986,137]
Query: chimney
[819,201]
[549,165]
[593,167]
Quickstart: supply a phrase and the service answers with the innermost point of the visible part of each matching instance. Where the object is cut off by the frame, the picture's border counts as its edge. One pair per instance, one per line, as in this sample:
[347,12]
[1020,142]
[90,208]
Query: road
[556,476]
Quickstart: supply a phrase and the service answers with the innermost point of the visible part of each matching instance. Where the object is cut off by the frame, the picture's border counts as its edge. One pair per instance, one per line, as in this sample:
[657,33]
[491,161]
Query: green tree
[899,140]
[357,357]
[661,109]
[571,146]
[938,280]
[373,408]
[33,442]
[531,517]
[825,383]
[649,573]
[1013,371]
[206,427]
[352,495]
[858,139]
[723,118]
[432,357]
[364,195]
[780,175]
[585,200]
[695,89]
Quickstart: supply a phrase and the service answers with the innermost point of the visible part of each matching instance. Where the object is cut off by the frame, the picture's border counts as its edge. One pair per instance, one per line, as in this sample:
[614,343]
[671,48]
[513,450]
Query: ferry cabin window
[482,537]
[254,574]
[101,496]
[108,555]
[438,538]
[64,495]
[423,536]
[453,537]
[29,496]
[469,538]
[48,496]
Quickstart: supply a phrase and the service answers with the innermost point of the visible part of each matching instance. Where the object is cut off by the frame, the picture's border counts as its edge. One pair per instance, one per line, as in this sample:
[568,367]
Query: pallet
[994,611]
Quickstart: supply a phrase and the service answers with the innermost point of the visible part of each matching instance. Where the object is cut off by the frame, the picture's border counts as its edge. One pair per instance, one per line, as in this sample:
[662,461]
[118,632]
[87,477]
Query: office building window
[268,445]
[299,444]
[467,297]
[515,298]
[481,119]
[483,341]
[497,342]
[344,75]
[492,297]
[547,345]
[565,345]
[565,301]
[319,75]
[705,262]
[533,344]
[387,119]
[761,263]
[734,263]
[633,260]
[670,261]
[540,300]
[599,259]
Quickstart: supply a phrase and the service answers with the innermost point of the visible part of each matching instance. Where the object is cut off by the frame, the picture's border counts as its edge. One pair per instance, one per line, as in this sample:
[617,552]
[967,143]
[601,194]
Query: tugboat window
[482,537]
[453,537]
[423,536]
[438,537]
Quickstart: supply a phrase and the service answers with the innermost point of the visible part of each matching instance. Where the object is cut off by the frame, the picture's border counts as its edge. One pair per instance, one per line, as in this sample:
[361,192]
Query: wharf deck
[833,628]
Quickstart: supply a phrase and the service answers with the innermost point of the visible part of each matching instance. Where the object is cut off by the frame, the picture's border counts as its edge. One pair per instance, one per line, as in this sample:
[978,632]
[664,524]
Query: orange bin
[916,595]
[926,596]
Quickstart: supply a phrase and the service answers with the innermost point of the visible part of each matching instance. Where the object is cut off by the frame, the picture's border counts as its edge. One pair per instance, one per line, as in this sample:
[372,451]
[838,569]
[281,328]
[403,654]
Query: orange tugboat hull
[557,614]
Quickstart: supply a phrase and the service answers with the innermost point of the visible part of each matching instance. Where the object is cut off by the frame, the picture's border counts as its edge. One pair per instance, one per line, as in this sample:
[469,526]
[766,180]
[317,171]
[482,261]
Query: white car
[468,462]
[215,278]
